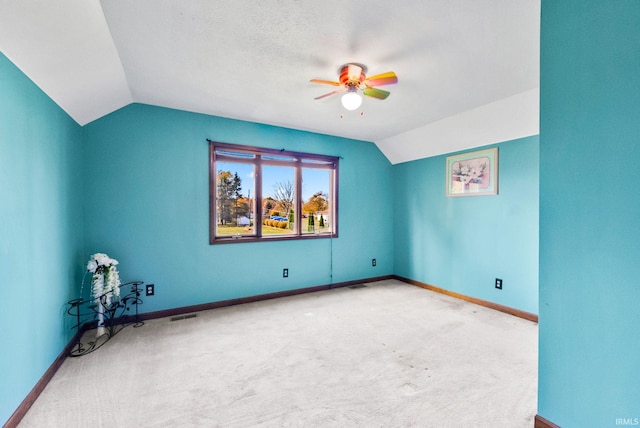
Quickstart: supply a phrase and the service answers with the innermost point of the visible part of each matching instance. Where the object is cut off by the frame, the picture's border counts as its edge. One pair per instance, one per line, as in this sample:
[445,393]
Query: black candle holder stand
[115,316]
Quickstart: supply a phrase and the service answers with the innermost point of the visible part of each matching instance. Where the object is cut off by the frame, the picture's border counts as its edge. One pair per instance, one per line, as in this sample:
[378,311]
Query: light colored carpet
[386,355]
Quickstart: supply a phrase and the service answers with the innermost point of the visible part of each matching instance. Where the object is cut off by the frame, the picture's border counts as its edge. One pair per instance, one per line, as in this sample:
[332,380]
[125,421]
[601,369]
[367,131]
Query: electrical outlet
[285,273]
[498,283]
[373,262]
[151,289]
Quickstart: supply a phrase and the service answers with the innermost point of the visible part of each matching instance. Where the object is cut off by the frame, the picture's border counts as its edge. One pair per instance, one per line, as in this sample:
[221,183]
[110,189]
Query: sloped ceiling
[468,70]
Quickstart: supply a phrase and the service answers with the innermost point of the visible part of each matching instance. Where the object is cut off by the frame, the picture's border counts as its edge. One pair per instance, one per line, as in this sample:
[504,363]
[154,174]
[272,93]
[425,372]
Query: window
[258,194]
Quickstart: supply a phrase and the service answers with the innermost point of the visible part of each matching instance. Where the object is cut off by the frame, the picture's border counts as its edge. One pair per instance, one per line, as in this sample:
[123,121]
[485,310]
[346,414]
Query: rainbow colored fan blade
[329,94]
[388,78]
[376,93]
[325,82]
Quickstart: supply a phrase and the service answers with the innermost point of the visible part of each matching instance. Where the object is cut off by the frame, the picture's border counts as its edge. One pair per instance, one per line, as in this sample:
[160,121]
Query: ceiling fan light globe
[351,100]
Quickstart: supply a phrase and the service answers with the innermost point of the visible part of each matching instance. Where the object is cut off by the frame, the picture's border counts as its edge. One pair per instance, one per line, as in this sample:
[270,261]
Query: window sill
[244,239]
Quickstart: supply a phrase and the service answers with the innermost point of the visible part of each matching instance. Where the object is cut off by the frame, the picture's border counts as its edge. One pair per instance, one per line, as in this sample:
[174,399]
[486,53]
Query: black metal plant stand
[115,316]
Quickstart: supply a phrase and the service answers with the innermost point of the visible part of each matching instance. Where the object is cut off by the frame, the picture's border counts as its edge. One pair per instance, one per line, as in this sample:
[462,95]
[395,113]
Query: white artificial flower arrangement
[106,279]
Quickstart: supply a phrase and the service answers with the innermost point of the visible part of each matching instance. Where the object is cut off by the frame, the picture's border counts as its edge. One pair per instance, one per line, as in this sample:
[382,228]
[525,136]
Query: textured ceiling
[468,70]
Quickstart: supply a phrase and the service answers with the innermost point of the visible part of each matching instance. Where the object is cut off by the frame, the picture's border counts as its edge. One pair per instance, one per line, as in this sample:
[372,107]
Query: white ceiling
[468,69]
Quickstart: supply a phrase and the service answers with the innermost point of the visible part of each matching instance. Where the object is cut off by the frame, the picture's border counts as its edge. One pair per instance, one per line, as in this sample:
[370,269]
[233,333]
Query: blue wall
[589,355]
[40,232]
[147,168]
[463,244]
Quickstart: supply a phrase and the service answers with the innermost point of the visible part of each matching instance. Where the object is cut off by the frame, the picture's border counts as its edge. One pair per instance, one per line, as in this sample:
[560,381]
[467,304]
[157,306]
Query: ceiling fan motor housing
[352,75]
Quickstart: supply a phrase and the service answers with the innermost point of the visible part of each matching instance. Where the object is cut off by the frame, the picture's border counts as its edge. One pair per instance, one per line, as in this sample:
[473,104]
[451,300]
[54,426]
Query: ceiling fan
[354,80]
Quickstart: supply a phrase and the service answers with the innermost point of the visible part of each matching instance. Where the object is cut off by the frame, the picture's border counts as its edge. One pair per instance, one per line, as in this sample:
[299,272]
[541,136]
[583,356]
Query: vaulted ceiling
[468,69]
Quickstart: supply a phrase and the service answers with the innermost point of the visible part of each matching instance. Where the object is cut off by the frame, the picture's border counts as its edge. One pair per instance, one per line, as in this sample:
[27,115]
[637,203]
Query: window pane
[278,158]
[235,194]
[316,201]
[278,196]
[223,153]
[258,193]
[317,162]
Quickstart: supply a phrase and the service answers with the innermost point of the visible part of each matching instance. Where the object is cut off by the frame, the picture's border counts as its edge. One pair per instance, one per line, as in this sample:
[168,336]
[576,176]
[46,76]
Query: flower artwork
[474,173]
[471,174]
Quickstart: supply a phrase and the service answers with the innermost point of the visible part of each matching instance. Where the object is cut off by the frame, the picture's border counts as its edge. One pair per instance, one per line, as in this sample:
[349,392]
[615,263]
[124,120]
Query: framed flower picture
[473,173]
